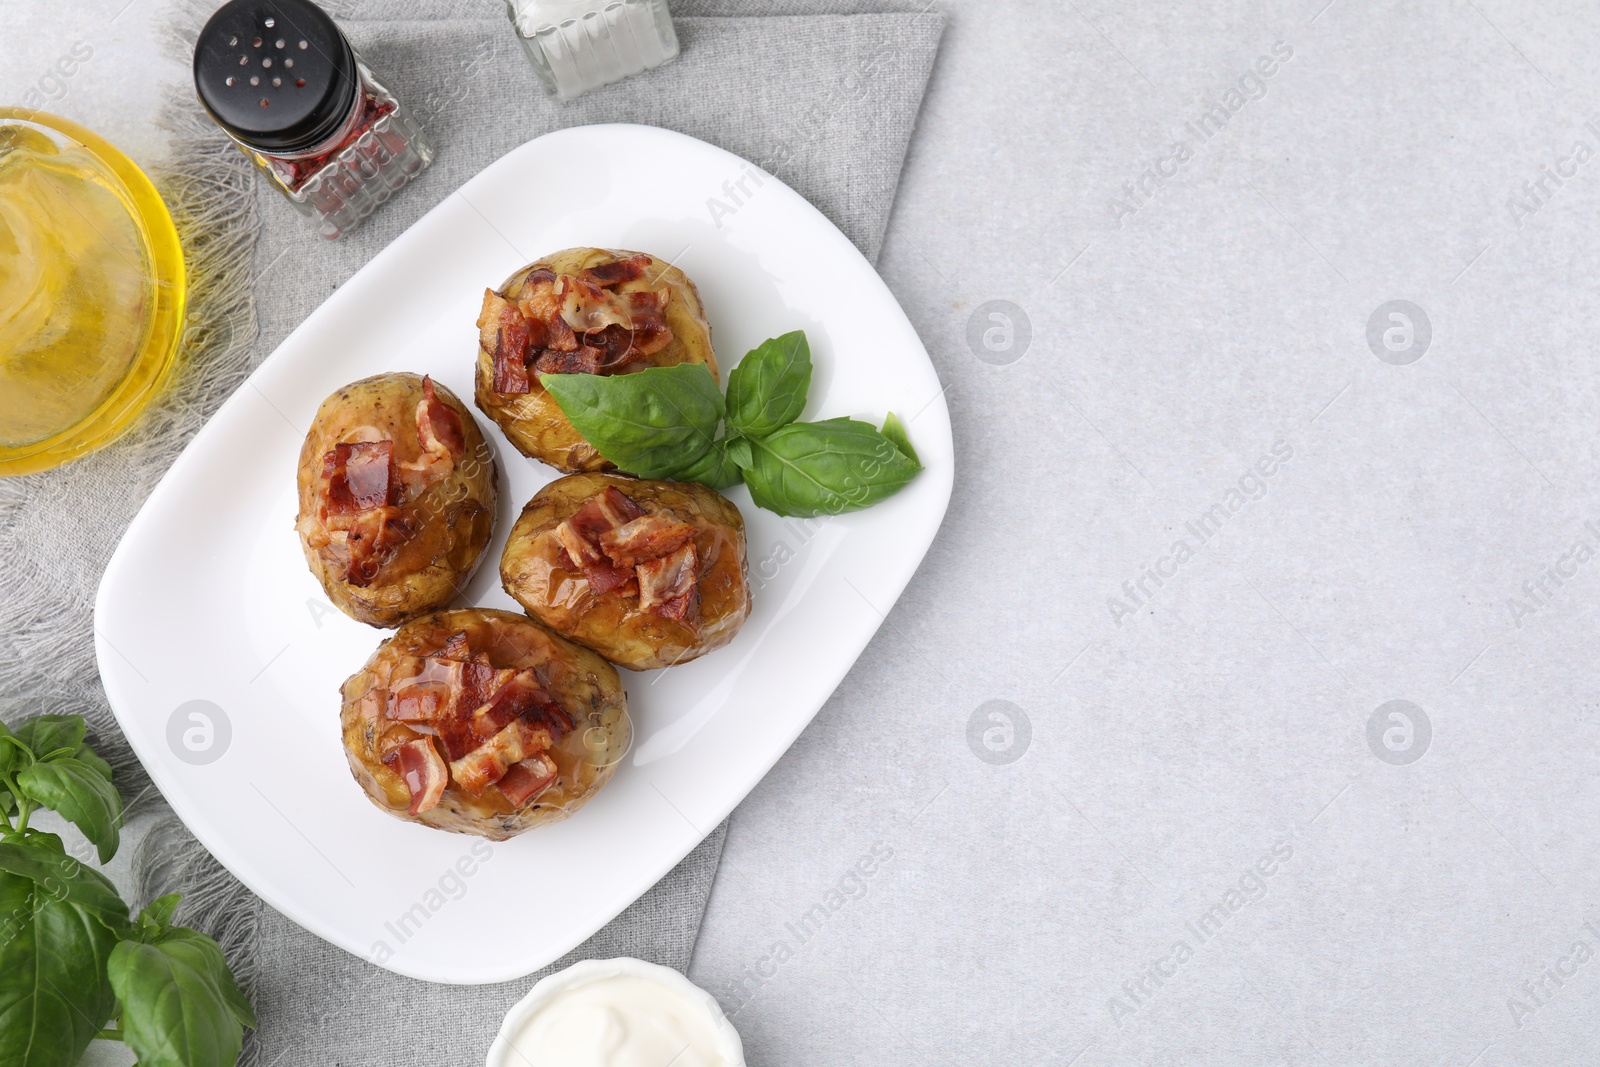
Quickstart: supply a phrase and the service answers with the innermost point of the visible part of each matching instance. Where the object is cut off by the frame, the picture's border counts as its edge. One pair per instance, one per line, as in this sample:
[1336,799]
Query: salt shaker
[578,45]
[280,78]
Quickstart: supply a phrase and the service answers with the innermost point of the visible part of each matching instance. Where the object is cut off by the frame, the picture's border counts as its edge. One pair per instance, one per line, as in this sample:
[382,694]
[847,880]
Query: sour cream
[617,1013]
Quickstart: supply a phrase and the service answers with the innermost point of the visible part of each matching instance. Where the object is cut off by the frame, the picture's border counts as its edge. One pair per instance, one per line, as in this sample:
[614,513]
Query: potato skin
[585,684]
[458,511]
[611,623]
[533,422]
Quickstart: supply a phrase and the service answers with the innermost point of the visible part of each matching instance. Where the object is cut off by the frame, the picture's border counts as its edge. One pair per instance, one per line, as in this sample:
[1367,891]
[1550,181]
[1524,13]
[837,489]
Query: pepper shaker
[578,45]
[282,81]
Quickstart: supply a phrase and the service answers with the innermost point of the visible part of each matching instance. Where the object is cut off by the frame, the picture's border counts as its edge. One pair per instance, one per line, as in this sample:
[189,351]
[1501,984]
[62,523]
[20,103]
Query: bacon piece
[607,275]
[359,475]
[372,536]
[645,538]
[484,765]
[669,586]
[616,347]
[603,578]
[419,766]
[516,696]
[458,732]
[418,702]
[582,360]
[540,303]
[613,507]
[525,780]
[504,333]
[579,536]
[651,333]
[455,648]
[439,428]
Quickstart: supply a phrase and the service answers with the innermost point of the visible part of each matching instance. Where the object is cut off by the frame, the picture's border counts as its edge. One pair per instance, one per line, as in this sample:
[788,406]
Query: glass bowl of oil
[92,291]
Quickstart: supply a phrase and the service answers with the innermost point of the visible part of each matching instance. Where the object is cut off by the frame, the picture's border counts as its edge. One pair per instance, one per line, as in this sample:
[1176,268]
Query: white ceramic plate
[223,659]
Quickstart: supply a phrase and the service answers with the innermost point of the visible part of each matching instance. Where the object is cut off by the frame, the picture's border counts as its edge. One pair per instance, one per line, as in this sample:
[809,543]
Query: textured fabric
[825,100]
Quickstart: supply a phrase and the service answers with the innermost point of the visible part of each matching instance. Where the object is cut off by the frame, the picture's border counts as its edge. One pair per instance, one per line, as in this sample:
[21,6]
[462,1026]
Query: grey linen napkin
[825,100]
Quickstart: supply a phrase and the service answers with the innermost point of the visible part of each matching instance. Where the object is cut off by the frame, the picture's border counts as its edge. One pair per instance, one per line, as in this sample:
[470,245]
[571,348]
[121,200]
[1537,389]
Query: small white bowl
[501,1053]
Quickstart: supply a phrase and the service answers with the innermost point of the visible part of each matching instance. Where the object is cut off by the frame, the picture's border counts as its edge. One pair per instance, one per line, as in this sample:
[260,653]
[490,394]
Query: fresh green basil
[81,792]
[180,1006]
[655,423]
[716,468]
[158,912]
[739,450]
[41,858]
[825,468]
[54,991]
[895,431]
[68,953]
[45,735]
[662,423]
[768,388]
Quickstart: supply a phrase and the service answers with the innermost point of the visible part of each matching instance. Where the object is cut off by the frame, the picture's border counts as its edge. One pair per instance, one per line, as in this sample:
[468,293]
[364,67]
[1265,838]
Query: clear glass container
[92,291]
[339,184]
[578,45]
[281,79]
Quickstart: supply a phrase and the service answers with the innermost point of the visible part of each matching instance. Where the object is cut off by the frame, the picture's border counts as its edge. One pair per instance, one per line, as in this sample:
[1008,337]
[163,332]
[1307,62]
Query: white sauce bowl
[503,1053]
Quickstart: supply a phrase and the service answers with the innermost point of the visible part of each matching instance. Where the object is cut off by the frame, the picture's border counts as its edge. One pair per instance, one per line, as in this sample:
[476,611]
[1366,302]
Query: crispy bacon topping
[669,586]
[607,275]
[645,538]
[573,324]
[487,721]
[362,521]
[360,476]
[526,780]
[503,332]
[419,766]
[488,763]
[622,549]
[439,426]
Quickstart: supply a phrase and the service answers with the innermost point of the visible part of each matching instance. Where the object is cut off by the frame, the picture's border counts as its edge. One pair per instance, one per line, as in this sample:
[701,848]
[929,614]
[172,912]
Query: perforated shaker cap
[277,74]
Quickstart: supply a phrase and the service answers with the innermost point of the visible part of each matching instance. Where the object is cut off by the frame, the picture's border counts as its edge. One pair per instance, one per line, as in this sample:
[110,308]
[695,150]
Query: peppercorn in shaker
[282,81]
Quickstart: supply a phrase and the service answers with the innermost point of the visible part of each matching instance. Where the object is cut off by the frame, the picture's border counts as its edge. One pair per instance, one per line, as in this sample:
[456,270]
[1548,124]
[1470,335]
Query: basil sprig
[71,959]
[663,423]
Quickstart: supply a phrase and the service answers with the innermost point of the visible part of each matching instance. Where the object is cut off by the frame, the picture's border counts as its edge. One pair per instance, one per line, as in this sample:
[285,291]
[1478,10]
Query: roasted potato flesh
[562,315]
[647,615]
[411,719]
[396,497]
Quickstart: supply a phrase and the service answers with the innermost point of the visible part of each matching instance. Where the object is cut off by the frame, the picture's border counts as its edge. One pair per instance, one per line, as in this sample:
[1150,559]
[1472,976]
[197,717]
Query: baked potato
[646,573]
[580,311]
[483,722]
[397,497]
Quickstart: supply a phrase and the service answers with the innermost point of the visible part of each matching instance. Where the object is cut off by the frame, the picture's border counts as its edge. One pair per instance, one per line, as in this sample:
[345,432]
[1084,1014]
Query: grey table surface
[1220,501]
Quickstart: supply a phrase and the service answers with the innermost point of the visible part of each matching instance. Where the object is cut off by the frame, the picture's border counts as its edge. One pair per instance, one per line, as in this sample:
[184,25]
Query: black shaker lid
[277,74]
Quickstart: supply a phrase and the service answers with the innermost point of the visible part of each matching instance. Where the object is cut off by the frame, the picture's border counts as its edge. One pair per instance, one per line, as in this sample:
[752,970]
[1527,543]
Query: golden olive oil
[91,291]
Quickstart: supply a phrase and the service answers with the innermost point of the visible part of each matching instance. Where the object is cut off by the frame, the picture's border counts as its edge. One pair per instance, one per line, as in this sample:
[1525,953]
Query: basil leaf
[54,993]
[81,794]
[655,423]
[180,1006]
[46,734]
[825,468]
[895,431]
[738,449]
[8,749]
[41,859]
[159,911]
[768,388]
[87,755]
[715,469]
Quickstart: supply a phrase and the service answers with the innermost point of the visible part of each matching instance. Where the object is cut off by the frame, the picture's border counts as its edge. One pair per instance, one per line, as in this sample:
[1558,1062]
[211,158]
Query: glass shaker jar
[280,78]
[578,45]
